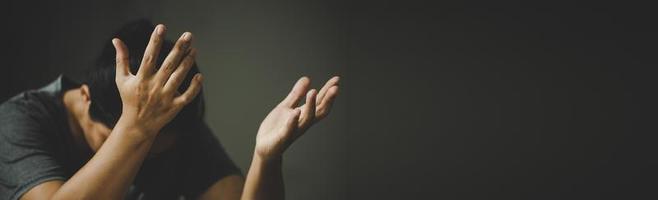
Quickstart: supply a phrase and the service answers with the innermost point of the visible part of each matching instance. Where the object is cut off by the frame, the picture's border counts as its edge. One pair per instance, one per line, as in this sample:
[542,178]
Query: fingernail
[187,36]
[199,77]
[159,29]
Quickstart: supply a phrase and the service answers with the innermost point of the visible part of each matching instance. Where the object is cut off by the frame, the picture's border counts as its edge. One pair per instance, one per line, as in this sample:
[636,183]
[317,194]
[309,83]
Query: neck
[71,101]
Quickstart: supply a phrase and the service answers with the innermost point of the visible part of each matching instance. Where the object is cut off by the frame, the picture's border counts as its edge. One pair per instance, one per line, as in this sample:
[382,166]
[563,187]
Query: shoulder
[30,126]
[26,143]
[35,103]
[34,107]
[29,116]
[29,108]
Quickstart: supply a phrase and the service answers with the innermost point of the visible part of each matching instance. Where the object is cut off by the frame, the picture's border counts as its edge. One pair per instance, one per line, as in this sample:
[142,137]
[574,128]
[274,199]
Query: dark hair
[105,100]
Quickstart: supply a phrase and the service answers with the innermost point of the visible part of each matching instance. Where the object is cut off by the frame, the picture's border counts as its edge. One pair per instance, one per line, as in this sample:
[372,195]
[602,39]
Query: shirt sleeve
[207,162]
[26,152]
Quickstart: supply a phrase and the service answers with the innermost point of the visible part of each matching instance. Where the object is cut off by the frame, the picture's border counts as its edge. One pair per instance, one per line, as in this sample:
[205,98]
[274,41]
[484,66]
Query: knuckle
[184,98]
[149,58]
[183,46]
[304,120]
[168,67]
[295,94]
[321,111]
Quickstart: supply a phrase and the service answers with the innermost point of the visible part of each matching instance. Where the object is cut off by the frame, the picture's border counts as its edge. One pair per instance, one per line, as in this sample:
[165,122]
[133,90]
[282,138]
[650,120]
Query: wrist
[267,158]
[131,128]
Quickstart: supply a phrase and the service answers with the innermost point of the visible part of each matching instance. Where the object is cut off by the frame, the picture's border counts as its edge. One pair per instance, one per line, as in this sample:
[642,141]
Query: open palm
[287,121]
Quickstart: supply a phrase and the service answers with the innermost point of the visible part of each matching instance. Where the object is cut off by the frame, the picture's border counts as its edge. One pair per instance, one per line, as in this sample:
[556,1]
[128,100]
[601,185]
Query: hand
[286,122]
[150,99]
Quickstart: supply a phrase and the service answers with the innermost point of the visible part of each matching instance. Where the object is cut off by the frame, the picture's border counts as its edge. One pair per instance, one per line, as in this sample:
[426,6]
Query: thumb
[122,62]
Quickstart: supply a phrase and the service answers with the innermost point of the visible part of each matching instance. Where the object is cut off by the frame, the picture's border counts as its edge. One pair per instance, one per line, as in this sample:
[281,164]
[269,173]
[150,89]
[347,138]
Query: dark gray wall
[500,103]
[438,101]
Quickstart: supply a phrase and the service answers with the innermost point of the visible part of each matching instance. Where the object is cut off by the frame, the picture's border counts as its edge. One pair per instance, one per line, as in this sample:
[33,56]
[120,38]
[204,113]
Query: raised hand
[150,98]
[287,121]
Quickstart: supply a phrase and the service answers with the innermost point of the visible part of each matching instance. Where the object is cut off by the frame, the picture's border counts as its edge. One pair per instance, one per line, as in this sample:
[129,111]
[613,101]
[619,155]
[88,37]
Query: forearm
[264,179]
[109,173]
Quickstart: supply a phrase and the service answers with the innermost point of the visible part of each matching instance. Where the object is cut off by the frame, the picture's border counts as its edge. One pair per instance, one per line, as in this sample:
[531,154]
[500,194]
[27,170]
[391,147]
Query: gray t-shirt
[36,146]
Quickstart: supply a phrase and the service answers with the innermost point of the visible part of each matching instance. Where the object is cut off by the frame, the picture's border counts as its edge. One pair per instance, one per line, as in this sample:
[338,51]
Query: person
[135,130]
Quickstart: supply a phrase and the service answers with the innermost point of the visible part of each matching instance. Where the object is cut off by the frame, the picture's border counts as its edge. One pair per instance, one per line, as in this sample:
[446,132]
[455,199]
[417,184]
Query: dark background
[437,101]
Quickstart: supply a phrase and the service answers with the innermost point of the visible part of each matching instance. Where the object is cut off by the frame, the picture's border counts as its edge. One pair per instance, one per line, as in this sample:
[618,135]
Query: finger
[296,93]
[174,58]
[323,91]
[191,92]
[324,107]
[294,118]
[308,109]
[123,63]
[180,73]
[152,51]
